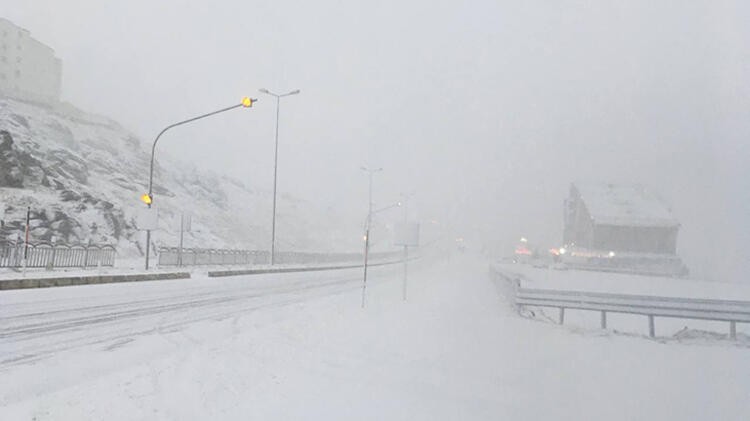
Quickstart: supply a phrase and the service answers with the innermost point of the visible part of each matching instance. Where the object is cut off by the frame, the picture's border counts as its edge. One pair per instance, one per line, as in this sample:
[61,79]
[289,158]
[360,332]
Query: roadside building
[620,227]
[28,68]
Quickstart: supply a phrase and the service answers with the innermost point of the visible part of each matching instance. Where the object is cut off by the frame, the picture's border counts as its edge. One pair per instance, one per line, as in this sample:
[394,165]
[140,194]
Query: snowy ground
[618,283]
[298,346]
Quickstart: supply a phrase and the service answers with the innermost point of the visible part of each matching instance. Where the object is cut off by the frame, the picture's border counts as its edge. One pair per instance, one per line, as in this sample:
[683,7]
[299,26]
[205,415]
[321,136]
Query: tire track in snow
[223,309]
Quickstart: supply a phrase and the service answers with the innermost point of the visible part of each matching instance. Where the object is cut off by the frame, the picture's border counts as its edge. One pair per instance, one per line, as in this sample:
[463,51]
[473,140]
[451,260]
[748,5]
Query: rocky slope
[82,174]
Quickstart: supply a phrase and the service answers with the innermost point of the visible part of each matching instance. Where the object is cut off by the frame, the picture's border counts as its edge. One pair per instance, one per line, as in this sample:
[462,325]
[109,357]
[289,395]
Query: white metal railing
[39,255]
[731,311]
[174,256]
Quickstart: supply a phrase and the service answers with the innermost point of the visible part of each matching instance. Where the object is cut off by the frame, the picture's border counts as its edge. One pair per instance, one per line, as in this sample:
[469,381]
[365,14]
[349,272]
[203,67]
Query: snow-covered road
[298,346]
[40,323]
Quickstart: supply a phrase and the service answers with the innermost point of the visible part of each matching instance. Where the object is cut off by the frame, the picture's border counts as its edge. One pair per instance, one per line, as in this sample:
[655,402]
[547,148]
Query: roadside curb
[63,281]
[11,284]
[223,273]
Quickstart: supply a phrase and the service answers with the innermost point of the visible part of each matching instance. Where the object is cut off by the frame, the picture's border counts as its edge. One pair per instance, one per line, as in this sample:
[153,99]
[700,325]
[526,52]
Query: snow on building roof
[630,205]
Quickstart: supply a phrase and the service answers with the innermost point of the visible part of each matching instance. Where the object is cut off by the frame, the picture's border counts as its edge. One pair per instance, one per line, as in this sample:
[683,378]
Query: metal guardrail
[325,258]
[171,256]
[47,255]
[731,311]
[650,265]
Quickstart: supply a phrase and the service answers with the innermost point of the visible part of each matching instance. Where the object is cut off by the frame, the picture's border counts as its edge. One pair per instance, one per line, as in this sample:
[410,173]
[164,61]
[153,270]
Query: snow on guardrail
[732,311]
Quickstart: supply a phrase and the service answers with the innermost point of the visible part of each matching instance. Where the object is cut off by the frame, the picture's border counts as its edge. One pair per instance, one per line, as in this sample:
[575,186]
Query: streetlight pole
[367,244]
[246,102]
[370,172]
[405,201]
[275,166]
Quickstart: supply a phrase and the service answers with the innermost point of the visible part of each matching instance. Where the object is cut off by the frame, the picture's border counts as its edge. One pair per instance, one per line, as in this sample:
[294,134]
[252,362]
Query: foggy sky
[488,110]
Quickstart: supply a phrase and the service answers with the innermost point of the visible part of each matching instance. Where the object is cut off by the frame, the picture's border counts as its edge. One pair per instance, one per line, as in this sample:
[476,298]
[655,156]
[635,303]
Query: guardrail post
[51,262]
[651,328]
[733,330]
[604,320]
[562,315]
[19,248]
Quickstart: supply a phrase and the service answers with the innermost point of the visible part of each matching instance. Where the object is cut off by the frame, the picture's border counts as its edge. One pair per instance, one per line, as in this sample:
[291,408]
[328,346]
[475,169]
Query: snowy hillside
[82,175]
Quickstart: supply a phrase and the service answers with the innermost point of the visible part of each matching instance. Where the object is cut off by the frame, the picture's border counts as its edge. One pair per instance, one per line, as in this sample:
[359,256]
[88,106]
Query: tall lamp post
[369,172]
[275,166]
[148,198]
[367,244]
[405,200]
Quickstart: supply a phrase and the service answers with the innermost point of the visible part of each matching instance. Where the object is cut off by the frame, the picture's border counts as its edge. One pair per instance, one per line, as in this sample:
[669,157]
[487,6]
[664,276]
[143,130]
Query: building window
[18,73]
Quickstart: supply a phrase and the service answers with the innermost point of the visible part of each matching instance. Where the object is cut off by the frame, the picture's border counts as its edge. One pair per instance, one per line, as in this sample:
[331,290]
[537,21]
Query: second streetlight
[367,244]
[148,198]
[275,166]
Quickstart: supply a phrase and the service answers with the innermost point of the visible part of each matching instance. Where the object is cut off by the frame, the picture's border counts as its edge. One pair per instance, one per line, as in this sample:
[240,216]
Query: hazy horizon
[488,112]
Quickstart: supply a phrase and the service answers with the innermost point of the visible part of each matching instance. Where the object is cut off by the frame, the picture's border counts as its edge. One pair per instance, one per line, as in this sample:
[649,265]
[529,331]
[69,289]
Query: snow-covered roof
[629,205]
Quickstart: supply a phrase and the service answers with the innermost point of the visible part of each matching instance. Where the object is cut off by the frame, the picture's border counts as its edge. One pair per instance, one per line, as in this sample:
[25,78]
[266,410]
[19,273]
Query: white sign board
[406,234]
[147,219]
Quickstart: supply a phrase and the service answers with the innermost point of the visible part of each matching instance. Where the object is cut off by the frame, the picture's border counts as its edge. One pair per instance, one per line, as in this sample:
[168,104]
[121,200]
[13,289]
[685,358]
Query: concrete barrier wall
[88,280]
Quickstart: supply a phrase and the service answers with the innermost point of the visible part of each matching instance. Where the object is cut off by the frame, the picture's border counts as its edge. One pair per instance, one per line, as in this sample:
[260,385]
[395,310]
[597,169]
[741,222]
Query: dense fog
[487,111]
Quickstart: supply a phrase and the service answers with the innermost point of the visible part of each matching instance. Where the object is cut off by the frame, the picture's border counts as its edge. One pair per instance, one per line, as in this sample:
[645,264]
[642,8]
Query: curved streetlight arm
[247,102]
[395,205]
[153,147]
[368,220]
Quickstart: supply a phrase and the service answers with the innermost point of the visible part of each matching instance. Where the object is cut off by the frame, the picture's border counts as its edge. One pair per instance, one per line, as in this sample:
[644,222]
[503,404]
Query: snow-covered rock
[82,175]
